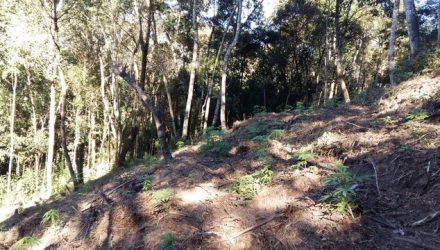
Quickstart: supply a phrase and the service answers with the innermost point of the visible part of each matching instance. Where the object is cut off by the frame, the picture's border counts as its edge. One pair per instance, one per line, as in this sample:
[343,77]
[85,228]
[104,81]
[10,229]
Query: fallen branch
[416,243]
[256,226]
[375,174]
[355,125]
[427,219]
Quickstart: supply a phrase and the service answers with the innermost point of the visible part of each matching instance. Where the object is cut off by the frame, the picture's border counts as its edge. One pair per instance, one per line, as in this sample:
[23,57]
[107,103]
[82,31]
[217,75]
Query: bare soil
[286,214]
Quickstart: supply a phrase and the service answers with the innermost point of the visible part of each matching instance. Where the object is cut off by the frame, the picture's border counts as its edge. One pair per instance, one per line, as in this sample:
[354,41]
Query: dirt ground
[401,156]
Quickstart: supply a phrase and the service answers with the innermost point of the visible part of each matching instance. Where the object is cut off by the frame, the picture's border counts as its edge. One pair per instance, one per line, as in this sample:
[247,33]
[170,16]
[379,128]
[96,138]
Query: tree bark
[11,128]
[211,79]
[67,158]
[412,27]
[50,140]
[225,69]
[338,54]
[192,78]
[392,41]
[438,23]
[148,103]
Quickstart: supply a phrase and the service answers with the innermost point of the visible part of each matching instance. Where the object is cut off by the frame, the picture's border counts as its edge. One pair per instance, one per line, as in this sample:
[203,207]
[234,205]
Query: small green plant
[259,110]
[404,149]
[303,157]
[27,242]
[344,185]
[332,103]
[150,160]
[51,218]
[146,183]
[213,141]
[180,144]
[194,174]
[276,134]
[417,116]
[3,228]
[162,197]
[167,241]
[389,120]
[248,185]
[260,139]
[300,107]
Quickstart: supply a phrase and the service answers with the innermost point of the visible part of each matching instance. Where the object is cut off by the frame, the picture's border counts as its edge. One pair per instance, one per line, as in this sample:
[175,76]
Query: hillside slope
[261,186]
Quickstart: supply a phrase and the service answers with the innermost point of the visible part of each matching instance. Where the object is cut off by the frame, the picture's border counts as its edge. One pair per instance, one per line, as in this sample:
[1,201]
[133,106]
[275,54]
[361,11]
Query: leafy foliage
[214,142]
[303,157]
[27,242]
[167,241]
[51,218]
[162,197]
[247,186]
[344,185]
[417,116]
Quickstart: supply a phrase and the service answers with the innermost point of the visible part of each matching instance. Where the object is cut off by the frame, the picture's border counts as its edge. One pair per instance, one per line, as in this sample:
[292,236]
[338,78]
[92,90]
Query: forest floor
[194,202]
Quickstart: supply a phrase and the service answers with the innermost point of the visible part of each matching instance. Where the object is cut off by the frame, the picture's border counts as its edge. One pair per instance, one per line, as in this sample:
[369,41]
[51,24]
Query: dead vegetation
[271,183]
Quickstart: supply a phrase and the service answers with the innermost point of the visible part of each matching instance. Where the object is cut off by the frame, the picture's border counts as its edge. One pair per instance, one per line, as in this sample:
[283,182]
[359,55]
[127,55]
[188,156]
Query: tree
[392,40]
[194,65]
[438,23]
[412,27]
[338,53]
[225,68]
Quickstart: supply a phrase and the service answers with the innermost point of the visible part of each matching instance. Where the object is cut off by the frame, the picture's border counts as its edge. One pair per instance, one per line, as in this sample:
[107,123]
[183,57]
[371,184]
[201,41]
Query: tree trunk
[192,78]
[11,128]
[50,140]
[225,69]
[338,55]
[438,23]
[392,41]
[216,111]
[67,158]
[211,79]
[170,105]
[148,103]
[412,26]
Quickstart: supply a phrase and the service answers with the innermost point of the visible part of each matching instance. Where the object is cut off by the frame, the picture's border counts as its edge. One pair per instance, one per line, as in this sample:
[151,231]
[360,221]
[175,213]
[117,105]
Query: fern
[51,218]
[27,242]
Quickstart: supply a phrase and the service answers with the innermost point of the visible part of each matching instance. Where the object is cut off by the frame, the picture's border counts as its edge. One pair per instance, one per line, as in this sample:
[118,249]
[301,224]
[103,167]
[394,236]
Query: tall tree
[412,27]
[338,54]
[392,41]
[11,127]
[194,65]
[225,68]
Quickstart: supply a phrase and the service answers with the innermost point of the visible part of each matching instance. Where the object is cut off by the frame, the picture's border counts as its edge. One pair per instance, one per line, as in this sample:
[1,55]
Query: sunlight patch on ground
[200,193]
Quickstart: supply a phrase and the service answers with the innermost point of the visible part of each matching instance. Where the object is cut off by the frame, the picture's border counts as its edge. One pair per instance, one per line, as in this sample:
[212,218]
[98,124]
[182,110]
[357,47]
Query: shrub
[344,185]
[303,156]
[276,134]
[162,197]
[259,110]
[27,242]
[417,116]
[167,241]
[146,183]
[150,160]
[51,218]
[248,185]
[213,141]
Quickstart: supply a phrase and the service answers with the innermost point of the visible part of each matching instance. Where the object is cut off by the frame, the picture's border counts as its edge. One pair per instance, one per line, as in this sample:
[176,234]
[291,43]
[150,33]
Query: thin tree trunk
[392,41]
[412,26]
[216,111]
[76,140]
[192,78]
[50,140]
[225,69]
[170,105]
[338,55]
[145,45]
[211,79]
[438,23]
[63,129]
[148,103]
[11,128]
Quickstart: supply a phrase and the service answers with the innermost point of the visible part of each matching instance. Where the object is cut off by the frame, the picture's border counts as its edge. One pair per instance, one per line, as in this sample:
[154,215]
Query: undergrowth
[248,185]
[27,242]
[162,197]
[51,218]
[343,186]
[167,241]
[214,142]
